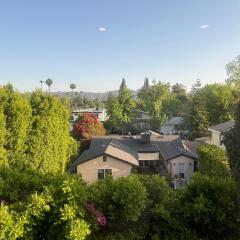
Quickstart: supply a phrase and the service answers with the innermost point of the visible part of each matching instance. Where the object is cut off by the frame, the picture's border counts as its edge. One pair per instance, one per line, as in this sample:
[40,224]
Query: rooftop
[222,127]
[126,148]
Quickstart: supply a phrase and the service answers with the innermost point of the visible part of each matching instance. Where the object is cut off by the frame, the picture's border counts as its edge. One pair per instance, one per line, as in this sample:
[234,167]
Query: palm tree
[73,86]
[49,83]
[41,82]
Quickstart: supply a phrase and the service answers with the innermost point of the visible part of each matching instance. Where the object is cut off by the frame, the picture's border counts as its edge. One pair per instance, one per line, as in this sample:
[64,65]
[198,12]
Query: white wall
[216,139]
[188,166]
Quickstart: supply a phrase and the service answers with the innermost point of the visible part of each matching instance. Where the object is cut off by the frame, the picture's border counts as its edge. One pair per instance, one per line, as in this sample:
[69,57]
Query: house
[142,120]
[146,153]
[172,126]
[217,132]
[100,113]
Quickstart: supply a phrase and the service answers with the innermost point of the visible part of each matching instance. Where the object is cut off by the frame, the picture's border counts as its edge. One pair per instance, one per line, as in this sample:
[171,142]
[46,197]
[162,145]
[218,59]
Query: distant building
[142,120]
[172,126]
[146,153]
[217,132]
[100,113]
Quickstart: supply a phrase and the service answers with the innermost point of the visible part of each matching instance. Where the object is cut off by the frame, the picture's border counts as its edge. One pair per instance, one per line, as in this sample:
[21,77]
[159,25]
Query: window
[108,172]
[103,173]
[146,163]
[181,170]
[181,175]
[100,173]
[140,163]
[104,158]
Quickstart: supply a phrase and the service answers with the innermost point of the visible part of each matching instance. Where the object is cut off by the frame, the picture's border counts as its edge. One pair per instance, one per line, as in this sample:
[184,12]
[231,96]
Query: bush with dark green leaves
[210,207]
[213,161]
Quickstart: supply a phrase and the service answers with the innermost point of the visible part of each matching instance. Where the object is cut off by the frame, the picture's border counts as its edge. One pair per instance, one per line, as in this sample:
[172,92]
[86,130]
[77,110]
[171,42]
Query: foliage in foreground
[50,206]
[34,131]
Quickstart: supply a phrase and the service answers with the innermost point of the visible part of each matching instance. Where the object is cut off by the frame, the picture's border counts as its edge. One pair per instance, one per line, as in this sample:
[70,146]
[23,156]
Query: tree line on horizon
[202,107]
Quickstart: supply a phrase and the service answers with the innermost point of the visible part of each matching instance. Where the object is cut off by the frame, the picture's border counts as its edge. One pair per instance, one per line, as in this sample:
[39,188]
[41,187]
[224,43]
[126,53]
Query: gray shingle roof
[132,146]
[223,126]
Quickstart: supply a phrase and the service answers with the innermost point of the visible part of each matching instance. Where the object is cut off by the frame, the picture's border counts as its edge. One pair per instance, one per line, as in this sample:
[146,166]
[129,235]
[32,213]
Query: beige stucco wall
[216,139]
[188,166]
[148,156]
[89,169]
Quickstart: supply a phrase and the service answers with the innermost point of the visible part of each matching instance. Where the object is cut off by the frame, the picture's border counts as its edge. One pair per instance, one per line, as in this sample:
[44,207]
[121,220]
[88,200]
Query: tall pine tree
[198,116]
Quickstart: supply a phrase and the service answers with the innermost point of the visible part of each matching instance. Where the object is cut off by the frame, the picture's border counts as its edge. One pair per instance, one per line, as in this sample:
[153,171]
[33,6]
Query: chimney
[145,137]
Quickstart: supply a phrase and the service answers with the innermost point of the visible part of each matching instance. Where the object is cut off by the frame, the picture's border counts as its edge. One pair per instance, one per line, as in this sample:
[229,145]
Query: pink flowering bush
[100,217]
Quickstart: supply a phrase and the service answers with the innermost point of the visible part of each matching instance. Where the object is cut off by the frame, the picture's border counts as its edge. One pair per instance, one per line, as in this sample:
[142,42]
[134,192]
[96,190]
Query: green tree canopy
[232,143]
[120,108]
[49,138]
[49,83]
[213,161]
[233,72]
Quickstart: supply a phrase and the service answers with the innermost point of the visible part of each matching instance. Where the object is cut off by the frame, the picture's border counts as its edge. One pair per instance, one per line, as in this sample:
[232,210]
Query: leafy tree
[73,86]
[198,116]
[122,200]
[213,161]
[232,143]
[160,92]
[179,90]
[49,83]
[126,100]
[210,208]
[196,86]
[3,131]
[15,124]
[219,100]
[88,126]
[49,140]
[144,96]
[43,206]
[11,224]
[233,72]
[156,122]
[120,108]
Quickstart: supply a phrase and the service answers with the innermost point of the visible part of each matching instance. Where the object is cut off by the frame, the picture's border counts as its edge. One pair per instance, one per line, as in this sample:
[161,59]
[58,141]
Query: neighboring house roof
[193,145]
[89,110]
[174,121]
[106,146]
[222,127]
[126,148]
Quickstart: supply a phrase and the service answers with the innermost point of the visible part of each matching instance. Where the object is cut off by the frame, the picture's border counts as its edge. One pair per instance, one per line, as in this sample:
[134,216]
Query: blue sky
[165,40]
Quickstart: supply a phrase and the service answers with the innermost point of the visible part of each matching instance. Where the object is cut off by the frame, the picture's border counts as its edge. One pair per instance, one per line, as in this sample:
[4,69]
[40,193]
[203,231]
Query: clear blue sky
[161,39]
